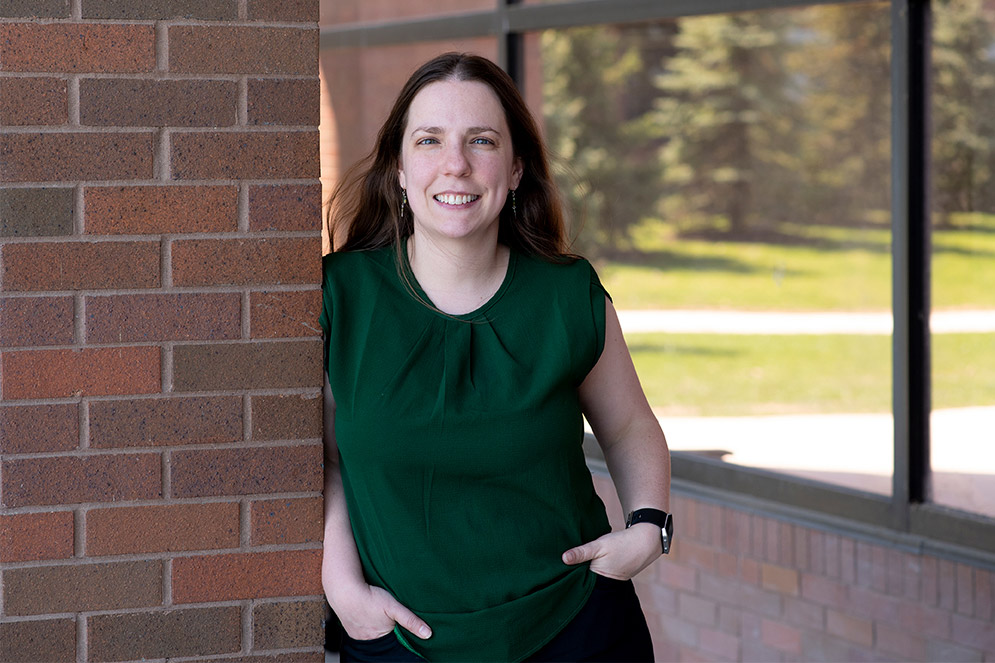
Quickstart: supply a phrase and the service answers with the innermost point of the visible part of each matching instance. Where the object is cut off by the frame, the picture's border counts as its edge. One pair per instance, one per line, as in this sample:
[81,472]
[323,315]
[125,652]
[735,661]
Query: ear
[400,177]
[516,172]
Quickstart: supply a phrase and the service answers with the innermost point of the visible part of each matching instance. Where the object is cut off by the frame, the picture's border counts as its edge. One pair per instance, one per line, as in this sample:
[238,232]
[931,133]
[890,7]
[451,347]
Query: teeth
[453,199]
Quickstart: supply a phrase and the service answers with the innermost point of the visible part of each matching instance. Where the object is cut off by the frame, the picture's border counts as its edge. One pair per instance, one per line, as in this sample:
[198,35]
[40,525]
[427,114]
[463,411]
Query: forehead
[456,105]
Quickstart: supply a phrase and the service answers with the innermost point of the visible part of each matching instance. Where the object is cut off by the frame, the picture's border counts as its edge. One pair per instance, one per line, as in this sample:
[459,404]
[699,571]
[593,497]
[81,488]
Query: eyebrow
[471,130]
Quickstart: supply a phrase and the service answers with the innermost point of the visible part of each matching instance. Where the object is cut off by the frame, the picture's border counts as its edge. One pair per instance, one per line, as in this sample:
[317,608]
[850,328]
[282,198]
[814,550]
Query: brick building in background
[160,422]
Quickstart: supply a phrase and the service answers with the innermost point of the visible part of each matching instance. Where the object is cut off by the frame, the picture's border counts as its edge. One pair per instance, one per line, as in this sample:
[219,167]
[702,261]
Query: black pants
[610,628]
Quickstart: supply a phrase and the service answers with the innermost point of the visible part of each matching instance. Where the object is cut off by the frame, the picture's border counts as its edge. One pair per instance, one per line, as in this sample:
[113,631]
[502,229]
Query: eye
[426,141]
[481,141]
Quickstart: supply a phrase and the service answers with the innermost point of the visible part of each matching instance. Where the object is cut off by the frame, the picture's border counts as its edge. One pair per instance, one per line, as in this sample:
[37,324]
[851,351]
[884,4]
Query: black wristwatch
[661,519]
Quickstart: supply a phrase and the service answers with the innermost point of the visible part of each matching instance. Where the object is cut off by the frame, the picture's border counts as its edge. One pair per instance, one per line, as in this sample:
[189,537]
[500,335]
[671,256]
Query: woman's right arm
[366,612]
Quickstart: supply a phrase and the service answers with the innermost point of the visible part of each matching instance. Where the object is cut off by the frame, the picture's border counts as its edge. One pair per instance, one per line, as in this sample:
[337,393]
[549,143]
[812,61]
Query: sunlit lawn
[846,270]
[711,374]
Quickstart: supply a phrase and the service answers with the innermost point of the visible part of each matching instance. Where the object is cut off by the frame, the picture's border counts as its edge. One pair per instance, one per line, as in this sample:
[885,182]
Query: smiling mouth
[455,199]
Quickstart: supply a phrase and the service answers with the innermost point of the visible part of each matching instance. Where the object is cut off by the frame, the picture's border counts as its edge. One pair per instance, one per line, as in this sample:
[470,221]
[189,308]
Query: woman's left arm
[636,454]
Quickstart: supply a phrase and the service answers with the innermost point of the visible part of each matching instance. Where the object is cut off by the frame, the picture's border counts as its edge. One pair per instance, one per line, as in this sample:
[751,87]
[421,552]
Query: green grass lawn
[811,268]
[713,374]
[824,269]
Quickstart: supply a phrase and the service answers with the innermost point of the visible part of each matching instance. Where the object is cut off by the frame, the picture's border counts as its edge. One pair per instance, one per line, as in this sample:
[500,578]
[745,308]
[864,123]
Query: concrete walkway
[854,450]
[779,322]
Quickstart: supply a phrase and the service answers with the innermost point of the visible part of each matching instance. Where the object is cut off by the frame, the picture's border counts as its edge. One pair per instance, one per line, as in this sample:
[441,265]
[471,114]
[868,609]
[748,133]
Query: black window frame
[907,517]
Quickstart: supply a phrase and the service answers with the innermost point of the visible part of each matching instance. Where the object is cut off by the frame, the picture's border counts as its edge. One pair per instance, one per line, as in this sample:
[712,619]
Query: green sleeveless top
[460,442]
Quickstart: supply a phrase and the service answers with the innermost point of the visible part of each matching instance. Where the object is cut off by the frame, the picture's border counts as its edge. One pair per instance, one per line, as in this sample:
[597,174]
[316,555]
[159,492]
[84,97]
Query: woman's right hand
[371,612]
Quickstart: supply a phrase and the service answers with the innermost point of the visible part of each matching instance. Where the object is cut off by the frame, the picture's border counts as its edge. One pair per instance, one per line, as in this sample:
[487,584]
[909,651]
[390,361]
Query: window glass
[963,267]
[362,11]
[730,177]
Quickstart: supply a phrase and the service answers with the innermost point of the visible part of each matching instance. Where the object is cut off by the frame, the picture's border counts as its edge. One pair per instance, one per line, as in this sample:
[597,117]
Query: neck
[457,277]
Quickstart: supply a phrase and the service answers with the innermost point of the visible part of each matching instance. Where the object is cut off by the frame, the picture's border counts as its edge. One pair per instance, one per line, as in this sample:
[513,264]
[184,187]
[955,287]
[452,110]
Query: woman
[463,346]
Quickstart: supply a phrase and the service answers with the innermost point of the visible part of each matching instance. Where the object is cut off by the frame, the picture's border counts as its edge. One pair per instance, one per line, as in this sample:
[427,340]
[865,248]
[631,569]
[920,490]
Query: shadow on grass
[669,348]
[675,261]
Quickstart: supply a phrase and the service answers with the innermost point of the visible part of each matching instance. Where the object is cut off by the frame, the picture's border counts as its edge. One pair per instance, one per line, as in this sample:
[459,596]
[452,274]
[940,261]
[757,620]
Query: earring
[404,201]
[514,208]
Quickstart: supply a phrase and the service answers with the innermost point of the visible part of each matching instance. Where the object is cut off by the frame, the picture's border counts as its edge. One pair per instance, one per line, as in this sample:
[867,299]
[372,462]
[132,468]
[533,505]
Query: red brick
[286,417]
[703,612]
[901,644]
[163,317]
[227,366]
[946,585]
[779,579]
[290,102]
[965,589]
[804,614]
[169,528]
[852,629]
[242,50]
[33,321]
[79,479]
[288,520]
[247,471]
[823,590]
[285,314]
[678,576]
[781,637]
[928,621]
[245,155]
[271,261]
[317,655]
[718,645]
[285,207]
[137,210]
[982,590]
[124,102]
[283,10]
[80,265]
[288,625]
[33,536]
[164,634]
[234,577]
[42,640]
[26,429]
[973,633]
[82,587]
[87,372]
[77,47]
[153,422]
[33,101]
[61,157]
[864,602]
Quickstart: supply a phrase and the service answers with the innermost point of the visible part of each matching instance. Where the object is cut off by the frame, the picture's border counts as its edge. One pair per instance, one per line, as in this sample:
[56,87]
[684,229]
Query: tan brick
[290,102]
[291,417]
[163,317]
[288,624]
[26,429]
[271,365]
[34,9]
[63,157]
[168,528]
[242,50]
[36,211]
[79,479]
[79,265]
[164,634]
[87,372]
[285,521]
[124,102]
[34,536]
[270,261]
[34,101]
[285,207]
[245,155]
[39,641]
[77,47]
[781,637]
[283,10]
[151,10]
[247,471]
[157,422]
[853,629]
[239,576]
[136,210]
[82,587]
[285,314]
[34,321]
[779,579]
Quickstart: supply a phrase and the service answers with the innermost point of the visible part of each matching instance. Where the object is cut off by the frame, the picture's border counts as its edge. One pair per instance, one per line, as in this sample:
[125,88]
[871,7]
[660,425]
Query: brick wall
[743,586]
[160,458]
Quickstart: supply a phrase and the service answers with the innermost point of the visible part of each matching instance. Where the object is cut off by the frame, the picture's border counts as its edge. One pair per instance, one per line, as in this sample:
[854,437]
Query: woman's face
[457,162]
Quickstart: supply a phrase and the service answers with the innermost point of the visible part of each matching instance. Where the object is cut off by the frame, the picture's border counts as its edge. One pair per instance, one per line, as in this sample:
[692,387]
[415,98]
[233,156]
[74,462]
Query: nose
[456,162]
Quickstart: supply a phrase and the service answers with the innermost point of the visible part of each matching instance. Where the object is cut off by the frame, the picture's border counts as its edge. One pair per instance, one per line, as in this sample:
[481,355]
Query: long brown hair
[365,207]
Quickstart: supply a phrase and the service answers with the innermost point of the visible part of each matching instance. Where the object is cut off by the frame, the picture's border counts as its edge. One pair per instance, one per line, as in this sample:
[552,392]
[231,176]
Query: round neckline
[423,299]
